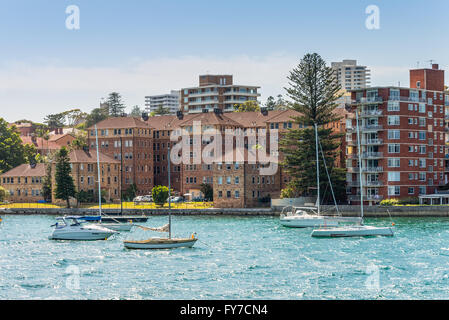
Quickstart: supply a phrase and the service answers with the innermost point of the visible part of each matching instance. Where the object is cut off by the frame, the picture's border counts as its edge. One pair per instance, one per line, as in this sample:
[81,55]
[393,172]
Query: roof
[25,170]
[56,137]
[121,123]
[41,143]
[210,118]
[81,156]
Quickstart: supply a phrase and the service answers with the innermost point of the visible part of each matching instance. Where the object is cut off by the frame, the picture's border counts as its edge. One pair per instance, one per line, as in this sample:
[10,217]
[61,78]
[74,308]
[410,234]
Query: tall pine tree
[313,90]
[65,187]
[115,104]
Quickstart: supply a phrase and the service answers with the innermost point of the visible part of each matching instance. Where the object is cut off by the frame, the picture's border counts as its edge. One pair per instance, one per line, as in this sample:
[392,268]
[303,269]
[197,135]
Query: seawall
[348,211]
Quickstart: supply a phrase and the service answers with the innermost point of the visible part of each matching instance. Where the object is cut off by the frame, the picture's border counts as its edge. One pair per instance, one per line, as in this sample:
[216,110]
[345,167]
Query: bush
[390,202]
[3,194]
[160,195]
[410,200]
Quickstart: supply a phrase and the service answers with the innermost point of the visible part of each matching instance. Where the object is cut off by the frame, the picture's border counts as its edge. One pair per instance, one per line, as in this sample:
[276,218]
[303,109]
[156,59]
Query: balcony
[372,155]
[373,169]
[372,142]
[371,113]
[406,99]
[373,184]
[368,100]
[371,127]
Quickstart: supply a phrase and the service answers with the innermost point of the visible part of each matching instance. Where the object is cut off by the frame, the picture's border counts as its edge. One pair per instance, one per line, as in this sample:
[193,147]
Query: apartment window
[236,180]
[394,176]
[393,105]
[393,148]
[422,135]
[393,120]
[228,180]
[394,134]
[220,180]
[237,194]
[394,162]
[422,190]
[422,163]
[394,191]
[228,194]
[411,190]
[422,107]
[422,176]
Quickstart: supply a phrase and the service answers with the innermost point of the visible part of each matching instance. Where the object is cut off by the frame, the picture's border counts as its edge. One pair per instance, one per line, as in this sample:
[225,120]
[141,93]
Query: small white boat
[161,243]
[353,231]
[117,226]
[298,217]
[76,230]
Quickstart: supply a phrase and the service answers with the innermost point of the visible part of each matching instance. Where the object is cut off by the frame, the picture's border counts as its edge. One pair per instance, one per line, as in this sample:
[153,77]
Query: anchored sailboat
[162,243]
[303,217]
[357,230]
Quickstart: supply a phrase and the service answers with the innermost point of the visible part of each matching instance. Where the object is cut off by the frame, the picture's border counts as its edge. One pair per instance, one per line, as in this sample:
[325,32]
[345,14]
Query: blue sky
[144,47]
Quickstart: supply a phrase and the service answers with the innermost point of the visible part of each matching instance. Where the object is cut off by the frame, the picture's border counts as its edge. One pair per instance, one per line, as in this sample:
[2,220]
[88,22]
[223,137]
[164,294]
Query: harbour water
[236,258]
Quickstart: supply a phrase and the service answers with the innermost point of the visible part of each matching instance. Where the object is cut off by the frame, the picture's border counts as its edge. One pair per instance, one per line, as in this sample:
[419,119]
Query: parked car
[177,199]
[138,199]
[147,198]
[198,199]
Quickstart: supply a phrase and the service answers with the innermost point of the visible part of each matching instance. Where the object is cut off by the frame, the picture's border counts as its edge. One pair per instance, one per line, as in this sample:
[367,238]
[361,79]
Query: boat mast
[360,162]
[98,169]
[169,194]
[317,169]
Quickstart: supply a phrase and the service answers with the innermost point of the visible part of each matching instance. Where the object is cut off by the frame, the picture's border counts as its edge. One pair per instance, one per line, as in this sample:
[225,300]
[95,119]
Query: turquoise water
[236,258]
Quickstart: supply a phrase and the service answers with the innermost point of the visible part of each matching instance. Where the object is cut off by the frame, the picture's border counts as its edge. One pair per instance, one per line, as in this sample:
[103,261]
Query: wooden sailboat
[162,243]
[359,229]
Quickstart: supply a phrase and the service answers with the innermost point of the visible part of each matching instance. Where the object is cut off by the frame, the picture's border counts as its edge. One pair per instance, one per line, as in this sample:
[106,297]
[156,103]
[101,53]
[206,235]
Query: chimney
[435,66]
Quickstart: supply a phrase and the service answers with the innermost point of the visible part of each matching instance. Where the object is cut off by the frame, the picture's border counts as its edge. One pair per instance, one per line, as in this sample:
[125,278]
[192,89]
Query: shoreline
[346,211]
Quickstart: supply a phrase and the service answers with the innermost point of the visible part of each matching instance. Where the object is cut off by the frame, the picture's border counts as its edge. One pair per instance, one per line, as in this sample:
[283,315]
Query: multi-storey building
[350,76]
[85,173]
[24,183]
[402,138]
[168,101]
[130,141]
[216,92]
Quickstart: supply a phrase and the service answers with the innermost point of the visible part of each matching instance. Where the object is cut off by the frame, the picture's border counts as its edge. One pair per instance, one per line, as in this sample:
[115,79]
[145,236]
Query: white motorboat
[299,217]
[359,229]
[71,228]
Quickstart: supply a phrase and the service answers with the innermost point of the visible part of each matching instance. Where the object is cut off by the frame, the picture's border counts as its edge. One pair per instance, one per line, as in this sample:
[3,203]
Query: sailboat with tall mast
[303,217]
[162,243]
[359,229]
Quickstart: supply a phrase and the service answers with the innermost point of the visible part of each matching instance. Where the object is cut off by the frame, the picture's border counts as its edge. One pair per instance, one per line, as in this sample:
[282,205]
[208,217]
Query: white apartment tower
[169,101]
[351,76]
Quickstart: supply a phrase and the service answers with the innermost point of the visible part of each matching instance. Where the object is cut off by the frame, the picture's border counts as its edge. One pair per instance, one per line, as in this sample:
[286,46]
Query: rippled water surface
[236,258]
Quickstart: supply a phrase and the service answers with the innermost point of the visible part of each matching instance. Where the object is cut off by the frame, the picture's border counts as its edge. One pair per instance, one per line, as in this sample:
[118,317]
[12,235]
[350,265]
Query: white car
[147,198]
[138,199]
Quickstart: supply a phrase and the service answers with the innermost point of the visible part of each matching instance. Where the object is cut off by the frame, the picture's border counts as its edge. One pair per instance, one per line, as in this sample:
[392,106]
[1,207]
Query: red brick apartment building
[130,141]
[402,138]
[216,92]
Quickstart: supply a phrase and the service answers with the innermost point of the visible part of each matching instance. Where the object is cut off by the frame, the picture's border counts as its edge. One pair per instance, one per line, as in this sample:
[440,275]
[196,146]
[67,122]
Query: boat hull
[124,219]
[118,226]
[355,231]
[81,236]
[307,222]
[160,243]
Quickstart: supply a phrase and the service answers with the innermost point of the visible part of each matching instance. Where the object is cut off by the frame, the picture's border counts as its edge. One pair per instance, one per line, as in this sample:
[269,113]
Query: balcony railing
[406,99]
[367,127]
[371,141]
[366,155]
[373,184]
[373,169]
[368,100]
[371,113]
[365,197]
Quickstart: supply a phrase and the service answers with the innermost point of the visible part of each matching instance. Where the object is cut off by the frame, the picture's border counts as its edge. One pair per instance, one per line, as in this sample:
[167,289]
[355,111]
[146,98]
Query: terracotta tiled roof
[210,118]
[81,156]
[121,123]
[56,137]
[25,170]
[41,143]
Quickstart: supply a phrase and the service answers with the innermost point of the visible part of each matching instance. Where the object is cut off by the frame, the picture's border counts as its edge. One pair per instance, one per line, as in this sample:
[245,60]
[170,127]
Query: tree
[74,117]
[270,104]
[247,106]
[136,112]
[115,104]
[280,104]
[65,187]
[12,152]
[160,195]
[54,121]
[160,111]
[46,183]
[3,194]
[96,115]
[130,193]
[208,191]
[314,92]
[30,153]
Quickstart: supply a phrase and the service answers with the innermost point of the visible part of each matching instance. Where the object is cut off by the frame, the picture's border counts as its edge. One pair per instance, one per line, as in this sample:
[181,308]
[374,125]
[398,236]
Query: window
[237,194]
[394,176]
[394,162]
[422,135]
[394,191]
[393,105]
[236,180]
[393,148]
[411,190]
[422,107]
[393,134]
[393,120]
